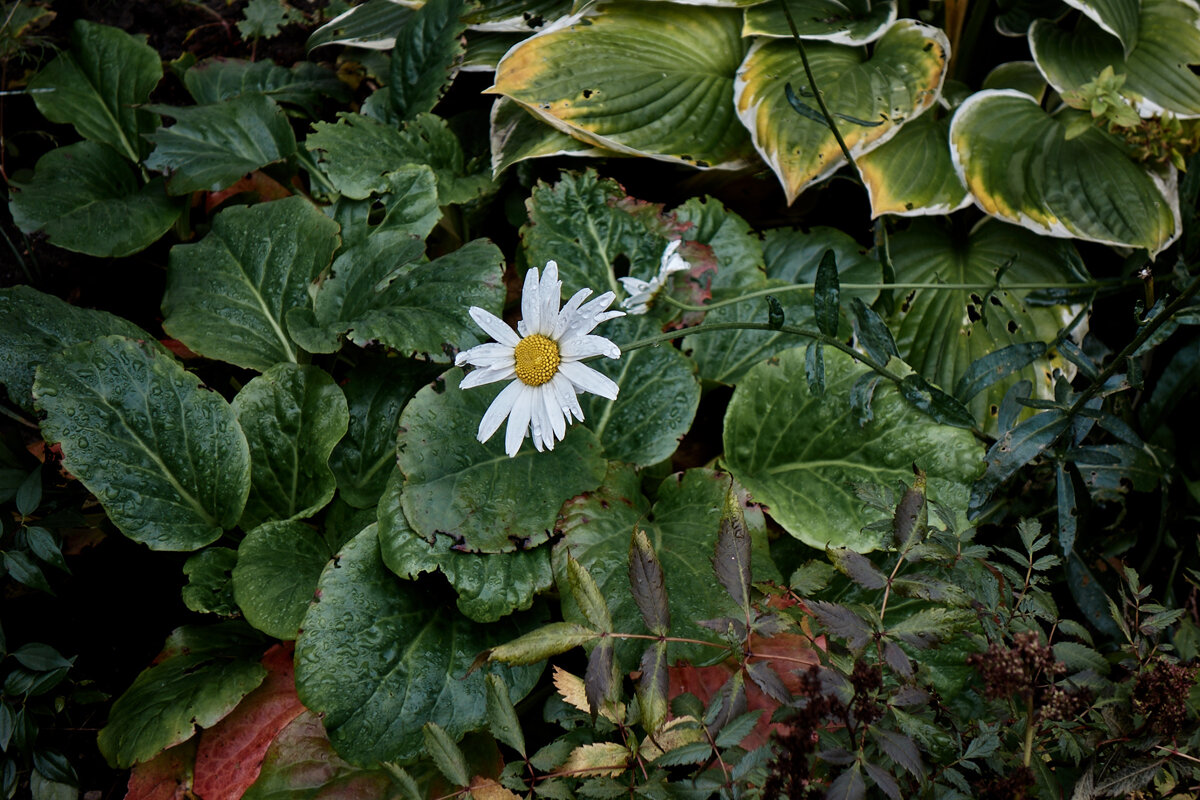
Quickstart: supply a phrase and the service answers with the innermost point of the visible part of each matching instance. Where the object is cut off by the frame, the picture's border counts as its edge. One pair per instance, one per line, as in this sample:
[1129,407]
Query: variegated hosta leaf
[518,134]
[940,332]
[1157,77]
[484,50]
[912,174]
[651,79]
[1017,162]
[516,16]
[371,25]
[900,80]
[1024,76]
[1118,17]
[848,22]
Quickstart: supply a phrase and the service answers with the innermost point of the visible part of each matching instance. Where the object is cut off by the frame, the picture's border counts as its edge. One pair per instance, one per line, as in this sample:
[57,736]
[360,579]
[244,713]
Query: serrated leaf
[841,622]
[165,458]
[647,584]
[446,755]
[731,562]
[803,472]
[210,147]
[587,596]
[292,417]
[540,644]
[738,729]
[502,717]
[599,759]
[1080,657]
[849,785]
[653,686]
[601,684]
[926,626]
[645,80]
[428,47]
[458,487]
[375,696]
[100,86]
[884,780]
[856,567]
[88,199]
[899,81]
[228,295]
[900,748]
[200,676]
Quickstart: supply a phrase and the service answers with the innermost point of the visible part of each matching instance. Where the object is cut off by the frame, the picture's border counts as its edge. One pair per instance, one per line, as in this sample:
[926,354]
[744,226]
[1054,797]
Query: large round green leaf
[940,332]
[278,565]
[377,659]
[900,80]
[682,527]
[163,455]
[911,174]
[200,676]
[1157,76]
[652,79]
[87,198]
[489,585]
[657,402]
[1020,166]
[227,296]
[292,416]
[837,21]
[100,86]
[376,391]
[472,492]
[800,453]
[35,326]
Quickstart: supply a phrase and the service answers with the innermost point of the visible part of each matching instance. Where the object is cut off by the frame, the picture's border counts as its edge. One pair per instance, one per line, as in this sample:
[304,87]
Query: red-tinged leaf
[599,682]
[653,686]
[769,681]
[857,567]
[256,183]
[167,776]
[841,622]
[230,753]
[899,748]
[911,511]
[647,585]
[729,703]
[731,562]
[897,659]
[178,349]
[884,780]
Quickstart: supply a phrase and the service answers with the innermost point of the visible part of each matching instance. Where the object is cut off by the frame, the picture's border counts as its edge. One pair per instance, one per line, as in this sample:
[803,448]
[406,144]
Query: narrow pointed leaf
[731,562]
[446,755]
[502,717]
[1016,448]
[538,645]
[647,585]
[587,596]
[826,305]
[600,680]
[873,334]
[653,686]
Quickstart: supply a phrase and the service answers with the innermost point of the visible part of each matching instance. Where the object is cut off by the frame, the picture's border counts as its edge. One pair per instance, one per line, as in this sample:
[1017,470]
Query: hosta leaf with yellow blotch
[518,134]
[941,332]
[1118,17]
[836,21]
[1157,76]
[912,174]
[1019,165]
[900,79]
[651,79]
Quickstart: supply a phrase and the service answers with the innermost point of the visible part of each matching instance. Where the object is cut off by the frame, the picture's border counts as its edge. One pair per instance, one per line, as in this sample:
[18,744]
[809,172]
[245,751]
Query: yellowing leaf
[488,789]
[674,734]
[571,689]
[601,758]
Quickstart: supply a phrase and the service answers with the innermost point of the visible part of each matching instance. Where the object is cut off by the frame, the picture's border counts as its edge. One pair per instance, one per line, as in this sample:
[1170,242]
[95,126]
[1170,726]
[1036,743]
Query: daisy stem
[960,287]
[837,344]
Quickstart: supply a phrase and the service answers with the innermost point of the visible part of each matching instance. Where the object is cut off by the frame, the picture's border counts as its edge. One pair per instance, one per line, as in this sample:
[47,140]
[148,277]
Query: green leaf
[828,20]
[1155,61]
[826,306]
[872,333]
[647,584]
[99,86]
[29,493]
[25,570]
[210,147]
[1019,165]
[427,50]
[292,417]
[682,527]
[371,25]
[541,643]
[1017,447]
[373,693]
[301,764]
[587,596]
[659,394]
[278,564]
[911,174]
[1023,76]
[165,457]
[209,589]
[516,15]
[217,79]
[654,80]
[227,296]
[802,470]
[518,134]
[88,199]
[502,717]
[380,292]
[39,657]
[410,206]
[489,585]
[357,152]
[737,247]
[46,546]
[446,755]
[200,676]
[475,494]
[376,390]
[900,80]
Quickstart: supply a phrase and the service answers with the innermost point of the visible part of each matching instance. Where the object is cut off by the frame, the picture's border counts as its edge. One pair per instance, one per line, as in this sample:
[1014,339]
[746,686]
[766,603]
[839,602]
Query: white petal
[580,347]
[568,312]
[634,286]
[482,377]
[531,306]
[493,326]
[588,380]
[554,413]
[565,393]
[670,251]
[498,410]
[551,294]
[490,354]
[518,420]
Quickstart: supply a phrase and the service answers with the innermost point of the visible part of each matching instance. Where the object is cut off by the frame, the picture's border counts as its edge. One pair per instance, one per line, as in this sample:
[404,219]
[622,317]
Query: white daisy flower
[641,292]
[543,361]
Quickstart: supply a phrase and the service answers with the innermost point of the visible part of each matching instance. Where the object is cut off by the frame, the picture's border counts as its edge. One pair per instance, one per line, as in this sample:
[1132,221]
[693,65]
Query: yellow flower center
[537,359]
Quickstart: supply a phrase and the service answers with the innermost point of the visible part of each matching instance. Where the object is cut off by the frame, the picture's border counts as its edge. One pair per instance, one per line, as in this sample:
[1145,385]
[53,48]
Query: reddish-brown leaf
[167,776]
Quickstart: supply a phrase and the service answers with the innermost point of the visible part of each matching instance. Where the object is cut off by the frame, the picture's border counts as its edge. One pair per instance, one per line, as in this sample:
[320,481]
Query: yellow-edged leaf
[601,758]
